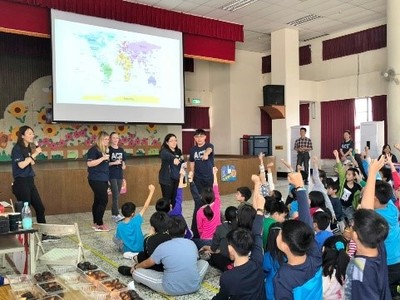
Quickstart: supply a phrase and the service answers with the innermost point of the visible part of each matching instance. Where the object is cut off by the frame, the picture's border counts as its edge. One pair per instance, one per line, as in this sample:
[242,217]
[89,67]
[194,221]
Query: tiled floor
[101,250]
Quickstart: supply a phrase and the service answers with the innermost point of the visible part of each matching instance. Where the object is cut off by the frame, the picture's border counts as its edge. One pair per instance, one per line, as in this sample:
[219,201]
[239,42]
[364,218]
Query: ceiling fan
[390,75]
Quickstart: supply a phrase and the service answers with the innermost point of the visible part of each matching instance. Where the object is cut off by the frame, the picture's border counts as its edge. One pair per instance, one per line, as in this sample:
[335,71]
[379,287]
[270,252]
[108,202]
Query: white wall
[220,116]
[234,91]
[246,97]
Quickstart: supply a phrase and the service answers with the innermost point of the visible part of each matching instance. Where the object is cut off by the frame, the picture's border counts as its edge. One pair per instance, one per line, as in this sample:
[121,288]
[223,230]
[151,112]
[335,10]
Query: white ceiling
[265,16]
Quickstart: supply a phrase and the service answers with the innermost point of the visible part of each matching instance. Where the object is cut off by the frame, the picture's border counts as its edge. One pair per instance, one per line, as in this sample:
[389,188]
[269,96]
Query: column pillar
[285,70]
[393,61]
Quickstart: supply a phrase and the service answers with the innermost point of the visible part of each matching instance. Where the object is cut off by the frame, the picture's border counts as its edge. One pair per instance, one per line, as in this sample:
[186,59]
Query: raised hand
[295,179]
[215,170]
[376,165]
[336,153]
[151,188]
[261,157]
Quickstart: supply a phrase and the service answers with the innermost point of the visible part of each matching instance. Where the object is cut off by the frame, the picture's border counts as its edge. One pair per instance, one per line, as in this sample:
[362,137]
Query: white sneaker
[129,255]
[117,218]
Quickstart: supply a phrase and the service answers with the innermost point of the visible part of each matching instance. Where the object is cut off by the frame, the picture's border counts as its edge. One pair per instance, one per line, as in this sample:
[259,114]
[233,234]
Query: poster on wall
[228,173]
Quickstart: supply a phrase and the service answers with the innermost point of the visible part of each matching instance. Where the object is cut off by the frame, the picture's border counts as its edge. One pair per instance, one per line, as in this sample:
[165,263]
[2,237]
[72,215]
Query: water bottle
[26,216]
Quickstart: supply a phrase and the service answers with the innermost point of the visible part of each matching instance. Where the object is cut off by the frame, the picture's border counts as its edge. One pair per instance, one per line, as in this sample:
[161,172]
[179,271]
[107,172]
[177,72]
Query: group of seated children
[325,243]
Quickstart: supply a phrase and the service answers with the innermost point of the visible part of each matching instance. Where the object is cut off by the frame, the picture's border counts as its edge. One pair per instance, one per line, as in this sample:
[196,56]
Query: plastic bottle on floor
[26,215]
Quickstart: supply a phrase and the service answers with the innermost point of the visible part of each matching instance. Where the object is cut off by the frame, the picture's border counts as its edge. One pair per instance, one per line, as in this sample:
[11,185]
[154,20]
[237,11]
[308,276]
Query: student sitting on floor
[243,194]
[129,236]
[246,279]
[273,259]
[367,272]
[164,204]
[321,222]
[383,205]
[158,235]
[334,264]
[275,211]
[183,272]
[267,182]
[208,216]
[301,276]
[218,251]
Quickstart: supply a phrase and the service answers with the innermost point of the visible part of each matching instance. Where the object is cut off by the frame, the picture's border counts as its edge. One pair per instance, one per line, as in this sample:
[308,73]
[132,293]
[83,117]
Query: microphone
[34,145]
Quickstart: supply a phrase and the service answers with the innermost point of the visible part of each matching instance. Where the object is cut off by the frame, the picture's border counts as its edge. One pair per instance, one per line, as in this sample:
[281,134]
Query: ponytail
[335,258]
[342,262]
[208,212]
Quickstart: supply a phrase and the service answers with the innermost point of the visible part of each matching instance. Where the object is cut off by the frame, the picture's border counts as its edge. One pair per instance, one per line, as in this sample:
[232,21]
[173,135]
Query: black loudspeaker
[274,94]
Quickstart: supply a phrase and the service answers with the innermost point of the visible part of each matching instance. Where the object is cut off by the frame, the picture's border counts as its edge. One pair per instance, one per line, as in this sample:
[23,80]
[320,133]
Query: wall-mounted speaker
[274,94]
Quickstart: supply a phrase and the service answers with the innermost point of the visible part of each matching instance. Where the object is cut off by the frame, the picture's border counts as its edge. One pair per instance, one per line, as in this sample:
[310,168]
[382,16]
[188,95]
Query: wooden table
[9,242]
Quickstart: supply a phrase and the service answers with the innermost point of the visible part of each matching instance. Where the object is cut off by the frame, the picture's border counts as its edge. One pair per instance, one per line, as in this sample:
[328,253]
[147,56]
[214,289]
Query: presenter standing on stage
[117,165]
[171,162]
[98,176]
[23,159]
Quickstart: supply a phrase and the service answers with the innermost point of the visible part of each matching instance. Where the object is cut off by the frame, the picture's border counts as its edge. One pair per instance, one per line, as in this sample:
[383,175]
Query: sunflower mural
[121,129]
[151,128]
[41,116]
[14,133]
[94,130]
[50,130]
[18,109]
[68,140]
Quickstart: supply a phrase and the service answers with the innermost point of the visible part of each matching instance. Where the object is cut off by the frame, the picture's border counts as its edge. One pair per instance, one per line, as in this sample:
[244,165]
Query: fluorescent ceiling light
[237,4]
[315,37]
[303,20]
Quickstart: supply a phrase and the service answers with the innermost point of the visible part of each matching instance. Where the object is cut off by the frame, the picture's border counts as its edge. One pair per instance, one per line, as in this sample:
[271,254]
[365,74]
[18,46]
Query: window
[363,113]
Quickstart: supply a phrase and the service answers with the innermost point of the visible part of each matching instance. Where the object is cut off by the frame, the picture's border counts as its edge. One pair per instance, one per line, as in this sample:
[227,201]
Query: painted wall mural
[66,140]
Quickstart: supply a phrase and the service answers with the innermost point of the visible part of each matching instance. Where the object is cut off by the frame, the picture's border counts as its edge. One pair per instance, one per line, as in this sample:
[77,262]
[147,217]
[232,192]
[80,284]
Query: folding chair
[58,255]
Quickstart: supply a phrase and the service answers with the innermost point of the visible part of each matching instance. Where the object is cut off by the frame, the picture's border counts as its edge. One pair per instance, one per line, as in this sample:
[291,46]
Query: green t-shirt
[267,224]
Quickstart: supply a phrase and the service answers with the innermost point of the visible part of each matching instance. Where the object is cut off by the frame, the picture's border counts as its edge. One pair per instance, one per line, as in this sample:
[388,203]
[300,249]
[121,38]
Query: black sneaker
[125,270]
[49,238]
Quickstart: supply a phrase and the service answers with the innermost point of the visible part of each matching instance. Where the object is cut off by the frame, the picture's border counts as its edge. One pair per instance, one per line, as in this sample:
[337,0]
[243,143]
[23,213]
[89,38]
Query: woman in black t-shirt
[117,165]
[347,146]
[23,158]
[171,161]
[98,176]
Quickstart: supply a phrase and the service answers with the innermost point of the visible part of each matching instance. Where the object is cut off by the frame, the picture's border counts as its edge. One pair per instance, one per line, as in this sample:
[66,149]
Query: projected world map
[131,56]
[119,72]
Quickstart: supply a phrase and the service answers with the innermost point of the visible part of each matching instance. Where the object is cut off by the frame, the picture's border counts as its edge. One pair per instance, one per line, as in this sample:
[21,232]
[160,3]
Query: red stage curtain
[266,64]
[336,117]
[266,123]
[305,55]
[216,38]
[369,39]
[379,111]
[195,117]
[304,59]
[24,18]
[199,46]
[304,112]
